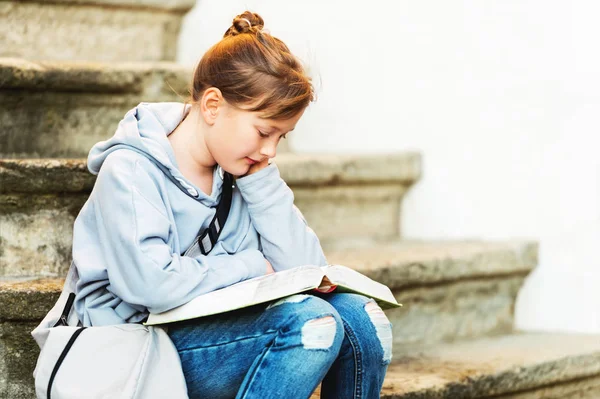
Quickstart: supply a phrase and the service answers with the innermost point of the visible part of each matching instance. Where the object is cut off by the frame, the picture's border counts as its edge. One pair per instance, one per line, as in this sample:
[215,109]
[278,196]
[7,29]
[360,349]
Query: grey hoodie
[143,214]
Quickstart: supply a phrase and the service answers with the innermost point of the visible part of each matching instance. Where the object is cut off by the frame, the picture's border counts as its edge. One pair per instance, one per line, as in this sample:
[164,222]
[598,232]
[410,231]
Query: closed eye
[265,135]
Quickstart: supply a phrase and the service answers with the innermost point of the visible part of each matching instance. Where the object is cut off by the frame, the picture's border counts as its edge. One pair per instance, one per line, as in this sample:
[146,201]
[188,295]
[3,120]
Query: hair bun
[248,22]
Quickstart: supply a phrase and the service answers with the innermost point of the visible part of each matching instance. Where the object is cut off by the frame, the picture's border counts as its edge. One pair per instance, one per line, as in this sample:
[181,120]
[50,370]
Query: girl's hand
[257,166]
[269,268]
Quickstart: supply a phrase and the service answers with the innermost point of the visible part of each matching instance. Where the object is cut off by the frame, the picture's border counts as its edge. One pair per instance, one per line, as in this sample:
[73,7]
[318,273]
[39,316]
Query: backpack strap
[64,316]
[206,240]
[61,358]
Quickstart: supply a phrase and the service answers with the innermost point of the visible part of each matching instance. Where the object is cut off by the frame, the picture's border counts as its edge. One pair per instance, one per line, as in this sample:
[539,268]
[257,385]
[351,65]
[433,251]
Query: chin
[236,170]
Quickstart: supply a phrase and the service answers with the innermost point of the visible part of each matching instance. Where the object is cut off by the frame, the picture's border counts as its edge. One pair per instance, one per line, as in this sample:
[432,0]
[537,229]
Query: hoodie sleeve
[134,234]
[286,239]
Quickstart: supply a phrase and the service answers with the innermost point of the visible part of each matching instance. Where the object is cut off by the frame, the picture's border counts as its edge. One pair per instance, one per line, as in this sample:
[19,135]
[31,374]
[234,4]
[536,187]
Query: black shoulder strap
[206,240]
[61,358]
[64,316]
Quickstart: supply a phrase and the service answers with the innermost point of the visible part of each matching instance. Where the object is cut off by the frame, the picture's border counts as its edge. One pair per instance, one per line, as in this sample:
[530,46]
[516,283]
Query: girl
[160,178]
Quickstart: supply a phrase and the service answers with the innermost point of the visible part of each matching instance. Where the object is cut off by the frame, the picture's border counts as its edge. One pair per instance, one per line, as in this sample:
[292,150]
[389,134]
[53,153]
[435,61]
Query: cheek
[233,139]
[243,144]
[238,146]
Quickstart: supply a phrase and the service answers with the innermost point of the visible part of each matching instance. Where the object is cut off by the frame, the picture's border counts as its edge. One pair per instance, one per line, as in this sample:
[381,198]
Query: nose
[269,149]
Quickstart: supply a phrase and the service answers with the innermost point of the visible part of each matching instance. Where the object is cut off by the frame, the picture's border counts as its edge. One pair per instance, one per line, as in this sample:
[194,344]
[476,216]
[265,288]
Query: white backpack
[119,361]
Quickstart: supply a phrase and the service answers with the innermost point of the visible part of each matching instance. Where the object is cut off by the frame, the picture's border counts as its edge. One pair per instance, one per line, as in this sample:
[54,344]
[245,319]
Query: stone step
[516,366]
[94,30]
[342,197]
[450,291]
[61,109]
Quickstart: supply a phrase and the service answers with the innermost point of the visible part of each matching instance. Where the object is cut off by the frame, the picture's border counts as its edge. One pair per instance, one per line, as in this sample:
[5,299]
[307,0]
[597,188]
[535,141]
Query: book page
[348,279]
[300,278]
[246,293]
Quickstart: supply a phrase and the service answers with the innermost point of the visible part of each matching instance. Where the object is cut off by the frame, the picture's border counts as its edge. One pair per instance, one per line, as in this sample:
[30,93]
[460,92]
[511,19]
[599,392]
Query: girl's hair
[254,71]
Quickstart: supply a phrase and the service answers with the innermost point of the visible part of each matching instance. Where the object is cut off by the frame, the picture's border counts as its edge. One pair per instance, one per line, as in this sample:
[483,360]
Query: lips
[251,161]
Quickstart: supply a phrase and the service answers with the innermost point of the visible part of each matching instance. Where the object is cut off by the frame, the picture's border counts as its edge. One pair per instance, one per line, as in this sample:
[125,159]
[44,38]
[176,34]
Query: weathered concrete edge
[28,300]
[515,380]
[180,6]
[496,260]
[61,76]
[71,175]
[316,169]
[518,258]
[43,176]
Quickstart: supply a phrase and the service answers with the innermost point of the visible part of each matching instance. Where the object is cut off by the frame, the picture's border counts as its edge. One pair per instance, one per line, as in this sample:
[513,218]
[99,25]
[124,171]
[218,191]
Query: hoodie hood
[145,129]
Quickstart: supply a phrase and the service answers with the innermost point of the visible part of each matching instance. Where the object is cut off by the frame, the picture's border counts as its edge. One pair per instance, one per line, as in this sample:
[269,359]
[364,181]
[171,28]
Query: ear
[211,102]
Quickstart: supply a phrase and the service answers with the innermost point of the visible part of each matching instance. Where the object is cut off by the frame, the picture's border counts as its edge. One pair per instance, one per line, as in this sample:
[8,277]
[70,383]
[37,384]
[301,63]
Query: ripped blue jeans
[286,348]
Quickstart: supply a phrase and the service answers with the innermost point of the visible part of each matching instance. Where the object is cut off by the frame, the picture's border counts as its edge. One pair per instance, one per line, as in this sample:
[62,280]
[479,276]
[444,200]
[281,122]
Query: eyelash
[264,135]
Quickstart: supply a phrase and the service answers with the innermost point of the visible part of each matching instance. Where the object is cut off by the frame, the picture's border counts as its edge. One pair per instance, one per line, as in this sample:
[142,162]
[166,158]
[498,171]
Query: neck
[189,145]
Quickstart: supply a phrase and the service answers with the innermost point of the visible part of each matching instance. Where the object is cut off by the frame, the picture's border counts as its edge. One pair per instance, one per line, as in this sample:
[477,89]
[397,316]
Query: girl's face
[238,138]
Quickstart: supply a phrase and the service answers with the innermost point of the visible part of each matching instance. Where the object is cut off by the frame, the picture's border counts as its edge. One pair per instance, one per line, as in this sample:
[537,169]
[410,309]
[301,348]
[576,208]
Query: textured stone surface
[41,238]
[36,233]
[63,109]
[65,124]
[173,5]
[28,299]
[512,366]
[339,212]
[151,78]
[18,354]
[44,176]
[91,30]
[455,310]
[329,169]
[406,265]
[585,388]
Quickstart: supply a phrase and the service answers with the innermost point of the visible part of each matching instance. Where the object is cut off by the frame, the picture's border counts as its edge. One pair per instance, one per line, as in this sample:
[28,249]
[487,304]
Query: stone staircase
[46,105]
[91,30]
[452,339]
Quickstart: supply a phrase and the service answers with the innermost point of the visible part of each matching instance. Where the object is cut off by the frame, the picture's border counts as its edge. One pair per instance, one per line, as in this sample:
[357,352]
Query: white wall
[501,96]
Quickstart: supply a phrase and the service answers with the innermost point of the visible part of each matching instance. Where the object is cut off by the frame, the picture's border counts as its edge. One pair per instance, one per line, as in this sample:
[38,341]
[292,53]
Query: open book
[278,285]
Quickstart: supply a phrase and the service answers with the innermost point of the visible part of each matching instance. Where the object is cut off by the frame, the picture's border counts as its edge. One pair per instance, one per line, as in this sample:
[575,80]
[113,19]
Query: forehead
[258,118]
[280,124]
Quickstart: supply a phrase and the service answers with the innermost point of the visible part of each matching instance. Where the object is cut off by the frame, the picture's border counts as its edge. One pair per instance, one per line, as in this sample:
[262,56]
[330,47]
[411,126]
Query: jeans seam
[357,360]
[255,371]
[228,342]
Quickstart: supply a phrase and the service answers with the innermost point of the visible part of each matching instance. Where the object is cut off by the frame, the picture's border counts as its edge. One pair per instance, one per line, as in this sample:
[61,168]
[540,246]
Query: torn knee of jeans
[319,333]
[382,327]
[289,299]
